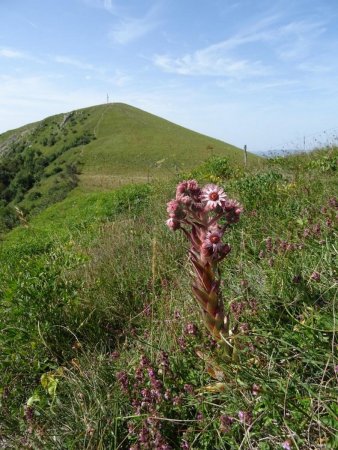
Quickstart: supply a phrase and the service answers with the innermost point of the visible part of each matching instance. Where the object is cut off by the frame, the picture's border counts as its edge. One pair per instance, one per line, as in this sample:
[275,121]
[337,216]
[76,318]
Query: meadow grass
[103,346]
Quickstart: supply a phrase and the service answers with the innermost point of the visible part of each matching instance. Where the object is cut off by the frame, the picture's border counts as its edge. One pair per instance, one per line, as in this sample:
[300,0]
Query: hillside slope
[133,143]
[97,148]
[127,142]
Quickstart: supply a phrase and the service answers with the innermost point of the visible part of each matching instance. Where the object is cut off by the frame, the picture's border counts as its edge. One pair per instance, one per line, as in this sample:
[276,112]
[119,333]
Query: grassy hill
[96,308]
[95,149]
[128,141]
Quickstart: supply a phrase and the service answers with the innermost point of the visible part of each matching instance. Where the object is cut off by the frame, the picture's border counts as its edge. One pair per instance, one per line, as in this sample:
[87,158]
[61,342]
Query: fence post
[245,155]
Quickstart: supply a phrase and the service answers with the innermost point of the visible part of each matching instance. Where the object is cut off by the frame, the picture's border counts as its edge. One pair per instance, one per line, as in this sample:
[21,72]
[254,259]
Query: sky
[259,73]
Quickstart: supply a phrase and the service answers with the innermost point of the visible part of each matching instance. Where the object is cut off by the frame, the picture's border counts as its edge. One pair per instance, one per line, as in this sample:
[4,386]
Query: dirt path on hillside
[96,128]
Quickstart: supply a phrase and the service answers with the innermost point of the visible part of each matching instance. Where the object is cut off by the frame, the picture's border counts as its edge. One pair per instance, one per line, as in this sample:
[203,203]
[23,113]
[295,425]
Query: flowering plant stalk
[203,215]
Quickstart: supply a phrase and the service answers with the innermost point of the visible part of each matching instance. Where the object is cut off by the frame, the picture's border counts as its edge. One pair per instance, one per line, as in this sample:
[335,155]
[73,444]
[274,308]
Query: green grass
[96,283]
[130,141]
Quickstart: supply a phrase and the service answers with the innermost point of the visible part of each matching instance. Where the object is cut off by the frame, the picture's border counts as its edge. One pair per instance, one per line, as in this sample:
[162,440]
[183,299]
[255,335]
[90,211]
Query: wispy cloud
[10,53]
[233,57]
[108,5]
[296,39]
[129,29]
[119,78]
[73,62]
[13,54]
[219,59]
[207,63]
[116,77]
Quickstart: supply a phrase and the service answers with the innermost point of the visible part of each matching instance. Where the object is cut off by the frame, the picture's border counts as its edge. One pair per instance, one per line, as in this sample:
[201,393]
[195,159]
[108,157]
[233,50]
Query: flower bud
[173,224]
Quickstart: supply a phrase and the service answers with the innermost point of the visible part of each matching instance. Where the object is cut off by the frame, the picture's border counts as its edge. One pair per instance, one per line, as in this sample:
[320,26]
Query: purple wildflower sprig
[203,215]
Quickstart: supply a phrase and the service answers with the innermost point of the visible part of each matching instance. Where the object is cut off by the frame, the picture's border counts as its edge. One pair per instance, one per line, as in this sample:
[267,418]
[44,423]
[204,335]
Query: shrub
[34,195]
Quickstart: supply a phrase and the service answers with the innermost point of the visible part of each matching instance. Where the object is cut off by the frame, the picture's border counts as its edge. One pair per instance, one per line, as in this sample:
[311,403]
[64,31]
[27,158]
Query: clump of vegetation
[26,163]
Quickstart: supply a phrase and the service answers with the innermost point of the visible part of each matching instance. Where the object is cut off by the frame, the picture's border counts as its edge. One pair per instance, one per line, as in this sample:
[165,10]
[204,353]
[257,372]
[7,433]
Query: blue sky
[255,72]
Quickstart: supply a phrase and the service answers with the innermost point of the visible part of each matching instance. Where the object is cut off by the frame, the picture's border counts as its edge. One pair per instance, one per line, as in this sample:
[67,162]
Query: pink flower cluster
[203,215]
[201,209]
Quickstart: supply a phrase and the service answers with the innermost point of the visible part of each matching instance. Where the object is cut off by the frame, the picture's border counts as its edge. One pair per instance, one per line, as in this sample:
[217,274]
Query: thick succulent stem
[206,289]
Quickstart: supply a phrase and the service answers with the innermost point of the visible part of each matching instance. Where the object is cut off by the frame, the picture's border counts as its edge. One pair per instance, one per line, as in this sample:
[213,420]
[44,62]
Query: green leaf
[35,398]
[49,382]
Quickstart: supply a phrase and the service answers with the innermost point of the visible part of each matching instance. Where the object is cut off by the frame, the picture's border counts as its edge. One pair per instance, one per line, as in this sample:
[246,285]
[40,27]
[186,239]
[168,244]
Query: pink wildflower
[115,355]
[245,417]
[185,199]
[333,202]
[256,389]
[233,210]
[232,205]
[192,185]
[181,188]
[188,192]
[173,224]
[185,445]
[315,276]
[191,329]
[226,422]
[175,210]
[213,240]
[287,445]
[213,196]
[172,206]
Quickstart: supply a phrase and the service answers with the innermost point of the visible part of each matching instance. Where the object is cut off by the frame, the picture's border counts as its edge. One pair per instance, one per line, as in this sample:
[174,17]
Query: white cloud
[129,29]
[315,68]
[233,57]
[73,62]
[14,54]
[296,39]
[108,5]
[211,64]
[10,53]
[218,59]
[117,77]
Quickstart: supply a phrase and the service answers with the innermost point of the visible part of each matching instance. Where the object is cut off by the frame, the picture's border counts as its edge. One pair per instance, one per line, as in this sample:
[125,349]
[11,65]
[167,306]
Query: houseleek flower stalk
[203,215]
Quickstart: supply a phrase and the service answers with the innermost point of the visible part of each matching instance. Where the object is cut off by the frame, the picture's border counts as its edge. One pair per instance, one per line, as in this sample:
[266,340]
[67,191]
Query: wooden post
[245,156]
